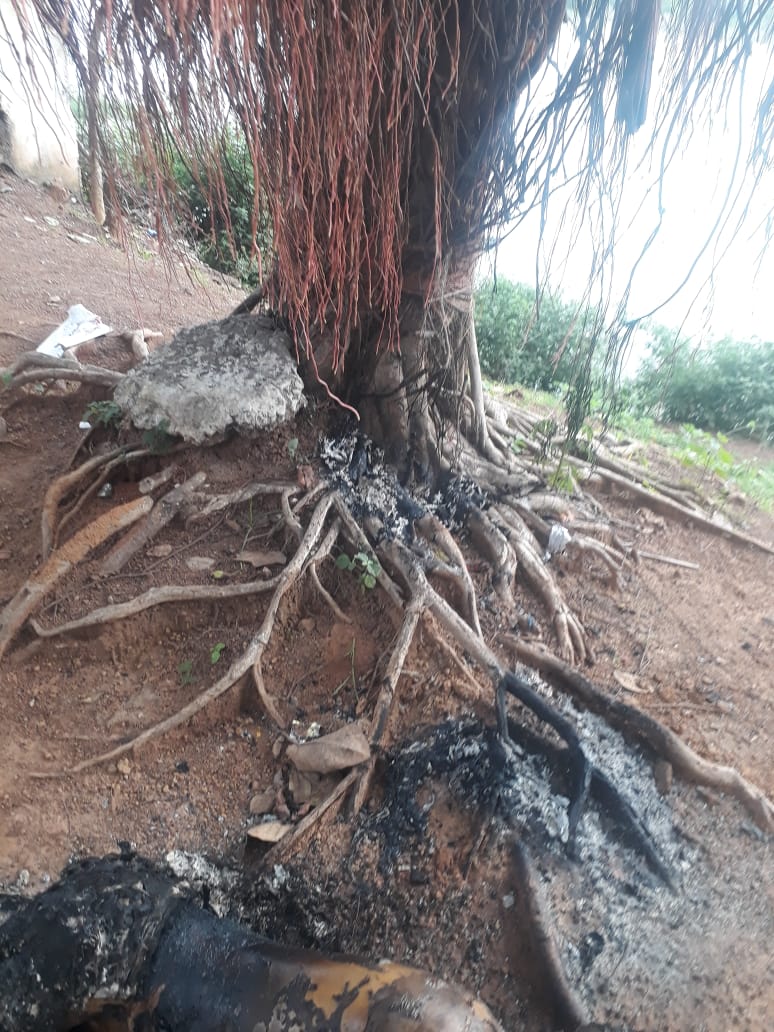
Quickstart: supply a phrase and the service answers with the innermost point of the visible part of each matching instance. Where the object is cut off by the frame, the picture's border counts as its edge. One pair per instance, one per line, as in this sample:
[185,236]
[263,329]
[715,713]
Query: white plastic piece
[79,326]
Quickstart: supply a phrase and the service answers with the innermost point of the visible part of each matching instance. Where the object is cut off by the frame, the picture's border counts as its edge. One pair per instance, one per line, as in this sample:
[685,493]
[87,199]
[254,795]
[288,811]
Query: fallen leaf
[344,748]
[258,559]
[629,683]
[124,766]
[300,786]
[268,831]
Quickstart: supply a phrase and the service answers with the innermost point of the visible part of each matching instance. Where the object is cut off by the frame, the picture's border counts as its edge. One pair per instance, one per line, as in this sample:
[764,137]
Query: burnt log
[118,944]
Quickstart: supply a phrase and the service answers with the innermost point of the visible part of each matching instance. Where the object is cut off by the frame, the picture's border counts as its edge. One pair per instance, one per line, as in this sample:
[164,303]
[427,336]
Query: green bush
[223,234]
[538,346]
[727,386]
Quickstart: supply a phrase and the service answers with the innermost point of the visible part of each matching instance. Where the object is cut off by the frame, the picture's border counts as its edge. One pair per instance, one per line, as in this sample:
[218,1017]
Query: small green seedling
[365,567]
[293,447]
[6,378]
[104,413]
[216,652]
[185,669]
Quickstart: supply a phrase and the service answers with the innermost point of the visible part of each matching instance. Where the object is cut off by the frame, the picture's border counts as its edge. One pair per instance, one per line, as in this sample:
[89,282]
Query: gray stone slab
[236,373]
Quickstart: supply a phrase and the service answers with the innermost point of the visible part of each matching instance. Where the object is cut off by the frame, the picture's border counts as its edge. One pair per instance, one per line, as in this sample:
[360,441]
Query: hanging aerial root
[60,562]
[664,742]
[244,664]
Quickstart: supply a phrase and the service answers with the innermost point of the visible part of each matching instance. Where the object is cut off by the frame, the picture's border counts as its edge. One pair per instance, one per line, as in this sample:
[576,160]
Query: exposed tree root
[492,545]
[105,471]
[667,507]
[569,1012]
[59,488]
[437,535]
[199,508]
[246,662]
[35,367]
[664,742]
[162,513]
[580,545]
[384,703]
[160,596]
[59,563]
[573,643]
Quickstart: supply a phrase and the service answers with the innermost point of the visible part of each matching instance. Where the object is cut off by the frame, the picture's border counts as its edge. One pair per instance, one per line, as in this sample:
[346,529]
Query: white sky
[740,300]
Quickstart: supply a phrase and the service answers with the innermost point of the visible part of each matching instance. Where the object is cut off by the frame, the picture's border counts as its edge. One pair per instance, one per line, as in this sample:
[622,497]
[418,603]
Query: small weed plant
[364,566]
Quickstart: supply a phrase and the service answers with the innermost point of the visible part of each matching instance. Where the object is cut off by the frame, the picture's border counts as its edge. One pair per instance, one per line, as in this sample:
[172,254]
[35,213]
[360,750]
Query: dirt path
[699,643]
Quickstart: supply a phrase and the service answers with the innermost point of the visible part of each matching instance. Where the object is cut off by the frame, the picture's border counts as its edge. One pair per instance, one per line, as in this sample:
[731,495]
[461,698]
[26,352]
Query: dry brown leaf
[268,831]
[629,683]
[344,748]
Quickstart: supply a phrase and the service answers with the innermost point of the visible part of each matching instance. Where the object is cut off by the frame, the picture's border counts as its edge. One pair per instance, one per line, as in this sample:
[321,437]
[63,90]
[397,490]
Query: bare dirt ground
[699,644]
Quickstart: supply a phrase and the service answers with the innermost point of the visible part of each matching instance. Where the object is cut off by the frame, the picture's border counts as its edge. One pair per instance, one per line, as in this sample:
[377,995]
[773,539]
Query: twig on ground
[655,557]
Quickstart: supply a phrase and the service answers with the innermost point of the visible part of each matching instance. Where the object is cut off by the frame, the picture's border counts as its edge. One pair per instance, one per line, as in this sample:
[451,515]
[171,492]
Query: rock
[199,562]
[262,802]
[233,373]
[50,220]
[124,767]
[344,748]
[160,551]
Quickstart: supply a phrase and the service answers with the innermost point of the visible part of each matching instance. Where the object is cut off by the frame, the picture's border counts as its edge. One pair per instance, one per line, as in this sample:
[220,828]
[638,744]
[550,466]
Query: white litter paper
[79,326]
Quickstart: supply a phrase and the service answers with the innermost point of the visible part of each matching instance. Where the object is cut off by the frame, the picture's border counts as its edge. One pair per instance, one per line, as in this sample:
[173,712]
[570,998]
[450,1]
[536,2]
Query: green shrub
[223,233]
[520,342]
[727,386]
